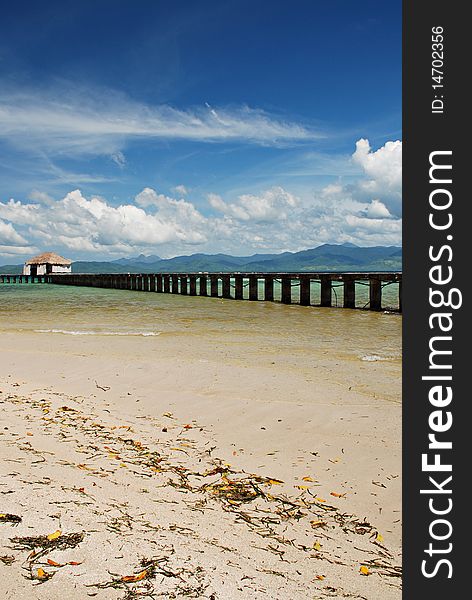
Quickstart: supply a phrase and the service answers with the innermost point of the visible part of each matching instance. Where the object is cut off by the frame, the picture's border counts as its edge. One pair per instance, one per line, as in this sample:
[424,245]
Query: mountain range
[328,257]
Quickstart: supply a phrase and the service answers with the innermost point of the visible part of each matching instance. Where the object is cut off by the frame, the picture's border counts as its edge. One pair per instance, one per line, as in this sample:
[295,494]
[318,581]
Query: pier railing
[306,289]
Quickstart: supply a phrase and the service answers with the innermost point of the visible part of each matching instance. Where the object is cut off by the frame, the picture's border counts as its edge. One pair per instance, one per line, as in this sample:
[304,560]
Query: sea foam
[92,332]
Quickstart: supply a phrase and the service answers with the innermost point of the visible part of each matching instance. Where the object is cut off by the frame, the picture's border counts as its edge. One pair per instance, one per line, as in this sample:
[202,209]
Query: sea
[53,310]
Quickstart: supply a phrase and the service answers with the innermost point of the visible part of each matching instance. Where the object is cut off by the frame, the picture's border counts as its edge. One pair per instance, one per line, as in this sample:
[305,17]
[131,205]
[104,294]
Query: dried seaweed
[43,542]
[9,518]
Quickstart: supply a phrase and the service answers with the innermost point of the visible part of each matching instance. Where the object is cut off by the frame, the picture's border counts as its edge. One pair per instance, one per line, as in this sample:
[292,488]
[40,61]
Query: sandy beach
[196,470]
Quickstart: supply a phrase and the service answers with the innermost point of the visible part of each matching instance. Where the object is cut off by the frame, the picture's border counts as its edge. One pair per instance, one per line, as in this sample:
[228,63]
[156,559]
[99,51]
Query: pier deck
[239,286]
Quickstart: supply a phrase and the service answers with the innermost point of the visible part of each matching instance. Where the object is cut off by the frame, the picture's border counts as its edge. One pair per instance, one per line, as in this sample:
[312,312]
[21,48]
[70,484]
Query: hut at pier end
[48,262]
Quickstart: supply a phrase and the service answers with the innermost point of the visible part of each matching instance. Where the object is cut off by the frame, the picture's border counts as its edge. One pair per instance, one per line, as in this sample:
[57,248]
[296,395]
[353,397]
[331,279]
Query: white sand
[337,423]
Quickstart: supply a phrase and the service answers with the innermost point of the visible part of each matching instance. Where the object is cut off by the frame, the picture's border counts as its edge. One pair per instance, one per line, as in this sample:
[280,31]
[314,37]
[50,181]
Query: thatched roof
[48,257]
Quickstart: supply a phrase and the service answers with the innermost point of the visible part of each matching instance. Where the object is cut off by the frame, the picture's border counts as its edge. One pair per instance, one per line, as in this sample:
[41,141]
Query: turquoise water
[47,310]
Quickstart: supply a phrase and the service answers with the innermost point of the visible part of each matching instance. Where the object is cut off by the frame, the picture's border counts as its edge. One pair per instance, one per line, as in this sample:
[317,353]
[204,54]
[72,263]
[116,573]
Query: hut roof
[48,257]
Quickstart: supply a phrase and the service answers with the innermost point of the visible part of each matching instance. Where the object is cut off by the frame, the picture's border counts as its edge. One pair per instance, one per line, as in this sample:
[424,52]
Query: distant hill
[12,269]
[328,257]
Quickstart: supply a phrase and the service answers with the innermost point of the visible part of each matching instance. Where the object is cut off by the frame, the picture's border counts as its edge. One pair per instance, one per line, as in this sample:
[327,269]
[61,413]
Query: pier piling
[253,287]
[349,300]
[305,283]
[268,288]
[326,290]
[214,286]
[286,290]
[238,287]
[203,285]
[375,293]
[226,286]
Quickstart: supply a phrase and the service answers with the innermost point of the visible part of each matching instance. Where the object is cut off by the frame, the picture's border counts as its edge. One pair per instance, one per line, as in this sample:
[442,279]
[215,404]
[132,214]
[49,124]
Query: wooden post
[166,279]
[238,287]
[193,285]
[305,282]
[175,284]
[326,290]
[226,285]
[286,290]
[375,293]
[349,292]
[159,283]
[268,288]
[183,285]
[253,281]
[400,295]
[214,286]
[203,285]
[152,283]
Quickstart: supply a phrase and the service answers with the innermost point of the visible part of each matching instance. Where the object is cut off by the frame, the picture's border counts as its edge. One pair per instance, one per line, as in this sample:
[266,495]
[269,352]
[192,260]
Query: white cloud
[73,121]
[384,165]
[93,225]
[377,209]
[8,235]
[180,189]
[272,220]
[383,169]
[119,158]
[272,205]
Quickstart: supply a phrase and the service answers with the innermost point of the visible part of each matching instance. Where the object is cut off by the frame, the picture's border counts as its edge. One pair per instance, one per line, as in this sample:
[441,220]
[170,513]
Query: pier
[306,289]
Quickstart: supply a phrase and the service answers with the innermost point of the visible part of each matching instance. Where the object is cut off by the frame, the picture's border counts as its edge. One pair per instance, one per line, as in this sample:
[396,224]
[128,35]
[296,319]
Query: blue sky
[210,125]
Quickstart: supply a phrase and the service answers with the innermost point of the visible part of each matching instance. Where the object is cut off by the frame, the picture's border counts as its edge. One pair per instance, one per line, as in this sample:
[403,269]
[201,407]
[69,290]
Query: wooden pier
[15,278]
[305,289]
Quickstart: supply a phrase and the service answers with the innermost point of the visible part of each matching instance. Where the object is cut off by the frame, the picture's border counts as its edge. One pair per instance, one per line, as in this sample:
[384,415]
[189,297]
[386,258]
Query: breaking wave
[92,332]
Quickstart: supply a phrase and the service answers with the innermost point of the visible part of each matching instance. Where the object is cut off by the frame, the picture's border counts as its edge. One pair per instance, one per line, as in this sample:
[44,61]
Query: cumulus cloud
[9,236]
[383,170]
[271,205]
[272,220]
[384,165]
[93,225]
[377,209]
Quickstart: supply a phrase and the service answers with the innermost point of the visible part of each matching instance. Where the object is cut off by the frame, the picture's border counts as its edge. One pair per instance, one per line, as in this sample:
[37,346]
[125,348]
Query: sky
[175,127]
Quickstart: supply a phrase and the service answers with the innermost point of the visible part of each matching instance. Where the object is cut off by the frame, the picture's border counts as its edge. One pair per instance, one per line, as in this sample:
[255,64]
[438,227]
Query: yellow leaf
[55,535]
[303,487]
[308,479]
[336,495]
[41,574]
[364,570]
[318,499]
[320,577]
[316,524]
[133,578]
[317,546]
[379,537]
